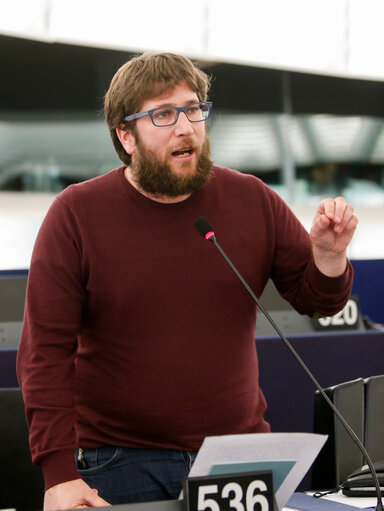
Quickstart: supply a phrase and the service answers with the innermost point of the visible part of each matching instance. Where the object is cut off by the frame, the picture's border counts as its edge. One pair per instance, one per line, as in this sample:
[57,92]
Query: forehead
[179,95]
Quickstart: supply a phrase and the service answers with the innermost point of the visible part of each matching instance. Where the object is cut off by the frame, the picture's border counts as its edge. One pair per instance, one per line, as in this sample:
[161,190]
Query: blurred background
[298,93]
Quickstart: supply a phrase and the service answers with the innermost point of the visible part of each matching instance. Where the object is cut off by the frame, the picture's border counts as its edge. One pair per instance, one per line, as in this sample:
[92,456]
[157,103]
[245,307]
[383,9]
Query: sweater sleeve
[294,271]
[45,362]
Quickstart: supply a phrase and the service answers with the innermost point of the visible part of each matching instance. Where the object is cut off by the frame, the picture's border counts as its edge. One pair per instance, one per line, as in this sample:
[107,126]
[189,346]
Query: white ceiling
[334,37]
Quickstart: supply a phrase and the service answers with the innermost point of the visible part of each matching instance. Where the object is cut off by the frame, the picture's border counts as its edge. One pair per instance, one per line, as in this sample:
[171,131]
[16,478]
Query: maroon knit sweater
[136,333]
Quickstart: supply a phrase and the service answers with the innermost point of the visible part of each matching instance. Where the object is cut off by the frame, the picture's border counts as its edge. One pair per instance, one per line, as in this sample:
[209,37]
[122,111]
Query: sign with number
[249,491]
[346,319]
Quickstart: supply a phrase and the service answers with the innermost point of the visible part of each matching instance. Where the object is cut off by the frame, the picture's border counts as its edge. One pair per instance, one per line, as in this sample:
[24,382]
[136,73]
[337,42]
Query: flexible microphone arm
[204,228]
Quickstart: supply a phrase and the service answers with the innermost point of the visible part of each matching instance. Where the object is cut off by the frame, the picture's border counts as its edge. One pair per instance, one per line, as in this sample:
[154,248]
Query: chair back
[21,482]
[340,456]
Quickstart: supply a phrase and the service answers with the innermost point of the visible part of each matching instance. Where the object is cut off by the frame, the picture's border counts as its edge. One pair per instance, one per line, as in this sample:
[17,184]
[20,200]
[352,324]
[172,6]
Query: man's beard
[156,177]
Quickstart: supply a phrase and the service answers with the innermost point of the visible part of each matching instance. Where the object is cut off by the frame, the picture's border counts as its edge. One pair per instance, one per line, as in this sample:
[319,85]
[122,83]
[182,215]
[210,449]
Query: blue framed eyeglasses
[168,115]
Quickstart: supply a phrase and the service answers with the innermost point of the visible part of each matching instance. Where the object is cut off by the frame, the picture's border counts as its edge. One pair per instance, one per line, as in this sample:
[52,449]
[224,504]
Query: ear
[127,140]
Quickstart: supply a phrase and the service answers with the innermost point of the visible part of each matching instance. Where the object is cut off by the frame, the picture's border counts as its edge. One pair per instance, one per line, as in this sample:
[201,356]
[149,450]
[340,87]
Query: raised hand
[332,230]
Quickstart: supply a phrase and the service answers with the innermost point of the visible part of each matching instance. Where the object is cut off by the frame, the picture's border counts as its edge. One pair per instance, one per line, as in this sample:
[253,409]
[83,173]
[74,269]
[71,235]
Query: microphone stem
[350,431]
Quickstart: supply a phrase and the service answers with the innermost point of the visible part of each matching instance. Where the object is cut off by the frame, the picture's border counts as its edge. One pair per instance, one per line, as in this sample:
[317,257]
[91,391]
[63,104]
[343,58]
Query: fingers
[333,226]
[340,213]
[96,501]
[73,494]
[334,208]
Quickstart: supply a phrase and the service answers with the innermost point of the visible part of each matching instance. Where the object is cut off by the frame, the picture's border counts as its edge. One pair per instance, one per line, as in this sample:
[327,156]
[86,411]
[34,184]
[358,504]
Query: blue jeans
[122,475]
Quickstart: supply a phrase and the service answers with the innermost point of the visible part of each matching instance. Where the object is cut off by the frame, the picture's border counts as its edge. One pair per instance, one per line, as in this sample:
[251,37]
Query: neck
[155,197]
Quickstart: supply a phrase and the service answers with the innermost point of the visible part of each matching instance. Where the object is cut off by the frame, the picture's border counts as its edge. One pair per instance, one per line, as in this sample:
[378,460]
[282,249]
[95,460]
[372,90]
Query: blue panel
[8,377]
[369,286]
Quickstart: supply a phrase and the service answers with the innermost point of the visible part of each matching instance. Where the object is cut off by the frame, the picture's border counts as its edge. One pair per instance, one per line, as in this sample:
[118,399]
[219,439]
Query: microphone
[205,229]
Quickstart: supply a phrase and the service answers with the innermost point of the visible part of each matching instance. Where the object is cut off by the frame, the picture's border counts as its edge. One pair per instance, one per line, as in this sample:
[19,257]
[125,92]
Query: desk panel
[332,358]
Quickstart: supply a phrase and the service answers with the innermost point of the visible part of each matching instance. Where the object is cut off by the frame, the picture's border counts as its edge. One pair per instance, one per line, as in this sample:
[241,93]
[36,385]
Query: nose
[183,125]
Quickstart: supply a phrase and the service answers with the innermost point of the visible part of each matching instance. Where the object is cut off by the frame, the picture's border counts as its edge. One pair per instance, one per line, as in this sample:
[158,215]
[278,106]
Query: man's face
[171,160]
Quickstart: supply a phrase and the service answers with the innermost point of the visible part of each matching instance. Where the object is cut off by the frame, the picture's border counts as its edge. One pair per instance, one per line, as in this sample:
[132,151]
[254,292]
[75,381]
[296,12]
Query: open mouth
[184,153]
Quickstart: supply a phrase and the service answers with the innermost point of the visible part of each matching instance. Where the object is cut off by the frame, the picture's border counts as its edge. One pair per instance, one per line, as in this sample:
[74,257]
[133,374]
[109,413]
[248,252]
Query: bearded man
[137,341]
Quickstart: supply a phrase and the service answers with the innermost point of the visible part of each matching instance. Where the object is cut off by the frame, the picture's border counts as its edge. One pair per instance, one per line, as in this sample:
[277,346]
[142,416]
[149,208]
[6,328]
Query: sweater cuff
[59,468]
[331,285]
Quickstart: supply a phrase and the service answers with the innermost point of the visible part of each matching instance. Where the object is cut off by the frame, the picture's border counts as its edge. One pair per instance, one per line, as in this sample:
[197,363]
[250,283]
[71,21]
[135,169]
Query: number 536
[233,493]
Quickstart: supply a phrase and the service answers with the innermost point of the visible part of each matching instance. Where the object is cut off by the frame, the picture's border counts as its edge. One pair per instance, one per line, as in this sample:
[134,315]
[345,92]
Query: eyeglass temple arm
[136,116]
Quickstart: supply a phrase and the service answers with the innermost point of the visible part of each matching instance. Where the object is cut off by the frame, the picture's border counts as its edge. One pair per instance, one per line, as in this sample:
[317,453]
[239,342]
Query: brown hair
[144,77]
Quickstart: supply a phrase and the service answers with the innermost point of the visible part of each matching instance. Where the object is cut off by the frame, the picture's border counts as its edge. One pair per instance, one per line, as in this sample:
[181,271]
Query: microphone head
[204,228]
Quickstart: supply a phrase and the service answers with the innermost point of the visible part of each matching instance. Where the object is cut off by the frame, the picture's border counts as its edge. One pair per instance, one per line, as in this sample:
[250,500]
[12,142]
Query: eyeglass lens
[168,115]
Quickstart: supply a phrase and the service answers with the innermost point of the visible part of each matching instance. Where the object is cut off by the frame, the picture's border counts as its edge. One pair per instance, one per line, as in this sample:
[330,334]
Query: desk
[303,502]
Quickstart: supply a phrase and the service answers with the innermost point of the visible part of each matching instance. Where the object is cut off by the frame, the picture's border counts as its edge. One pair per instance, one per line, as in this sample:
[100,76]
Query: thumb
[93,499]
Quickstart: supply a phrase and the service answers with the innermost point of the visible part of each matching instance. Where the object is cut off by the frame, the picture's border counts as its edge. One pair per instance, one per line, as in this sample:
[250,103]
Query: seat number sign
[346,319]
[249,491]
